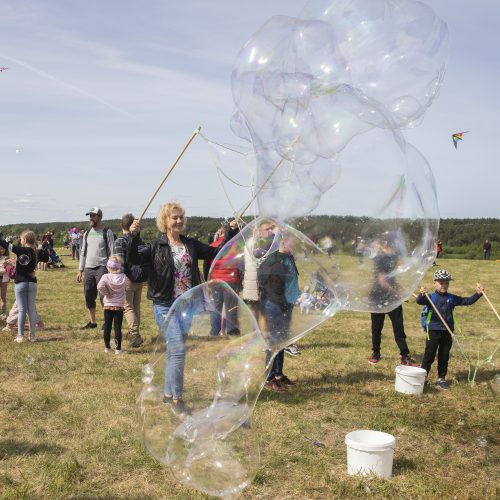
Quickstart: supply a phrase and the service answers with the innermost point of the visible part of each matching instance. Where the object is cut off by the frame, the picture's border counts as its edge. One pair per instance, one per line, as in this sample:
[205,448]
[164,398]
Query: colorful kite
[3,69]
[457,137]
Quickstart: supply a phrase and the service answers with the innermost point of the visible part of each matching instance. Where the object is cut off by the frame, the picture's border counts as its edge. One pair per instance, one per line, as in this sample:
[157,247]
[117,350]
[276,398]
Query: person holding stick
[439,322]
[173,269]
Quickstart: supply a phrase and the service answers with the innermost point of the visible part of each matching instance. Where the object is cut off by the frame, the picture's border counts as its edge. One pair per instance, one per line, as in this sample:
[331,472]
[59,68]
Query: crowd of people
[115,270]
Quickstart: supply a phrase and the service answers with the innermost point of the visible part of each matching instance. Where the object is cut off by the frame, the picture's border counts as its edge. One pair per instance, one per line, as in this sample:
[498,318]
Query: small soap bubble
[482,442]
[147,373]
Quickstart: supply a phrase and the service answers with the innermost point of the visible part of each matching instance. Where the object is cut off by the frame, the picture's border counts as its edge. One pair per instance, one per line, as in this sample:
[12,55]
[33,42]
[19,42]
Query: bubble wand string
[491,305]
[194,134]
[246,207]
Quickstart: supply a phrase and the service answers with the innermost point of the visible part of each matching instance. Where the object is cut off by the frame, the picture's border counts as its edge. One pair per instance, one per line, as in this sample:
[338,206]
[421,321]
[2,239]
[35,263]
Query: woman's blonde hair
[164,213]
[30,238]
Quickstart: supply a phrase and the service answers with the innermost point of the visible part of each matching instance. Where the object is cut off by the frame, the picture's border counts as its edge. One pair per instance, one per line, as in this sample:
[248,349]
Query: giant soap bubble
[322,99]
[210,444]
[396,50]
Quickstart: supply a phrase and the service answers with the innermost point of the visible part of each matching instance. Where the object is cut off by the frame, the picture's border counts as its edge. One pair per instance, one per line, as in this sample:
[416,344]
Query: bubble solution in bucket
[410,379]
[370,452]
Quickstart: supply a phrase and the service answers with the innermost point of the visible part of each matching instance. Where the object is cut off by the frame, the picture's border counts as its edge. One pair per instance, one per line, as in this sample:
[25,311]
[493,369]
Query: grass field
[69,426]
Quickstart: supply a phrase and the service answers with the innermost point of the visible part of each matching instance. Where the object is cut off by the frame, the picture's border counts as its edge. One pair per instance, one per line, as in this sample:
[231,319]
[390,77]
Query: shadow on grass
[11,448]
[340,344]
[350,378]
[481,376]
[49,339]
[324,384]
[401,466]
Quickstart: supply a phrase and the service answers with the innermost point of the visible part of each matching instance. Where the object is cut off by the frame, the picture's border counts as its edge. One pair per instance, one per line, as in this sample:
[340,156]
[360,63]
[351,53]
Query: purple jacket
[112,287]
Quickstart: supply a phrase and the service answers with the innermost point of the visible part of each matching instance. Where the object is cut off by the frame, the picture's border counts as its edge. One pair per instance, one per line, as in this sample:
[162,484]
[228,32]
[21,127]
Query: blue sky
[101,95]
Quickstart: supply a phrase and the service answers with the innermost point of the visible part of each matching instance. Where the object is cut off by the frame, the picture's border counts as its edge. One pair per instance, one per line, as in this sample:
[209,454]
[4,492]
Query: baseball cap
[95,211]
[442,275]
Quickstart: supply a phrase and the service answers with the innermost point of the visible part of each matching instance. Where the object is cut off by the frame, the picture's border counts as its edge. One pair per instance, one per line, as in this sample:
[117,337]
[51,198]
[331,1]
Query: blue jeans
[278,324]
[221,297]
[25,297]
[174,332]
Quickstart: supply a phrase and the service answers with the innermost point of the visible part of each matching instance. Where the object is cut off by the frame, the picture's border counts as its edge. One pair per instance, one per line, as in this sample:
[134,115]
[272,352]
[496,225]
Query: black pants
[439,341]
[113,318]
[396,317]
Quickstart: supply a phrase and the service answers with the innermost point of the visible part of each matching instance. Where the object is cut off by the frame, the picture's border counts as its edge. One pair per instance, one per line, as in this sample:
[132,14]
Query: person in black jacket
[173,269]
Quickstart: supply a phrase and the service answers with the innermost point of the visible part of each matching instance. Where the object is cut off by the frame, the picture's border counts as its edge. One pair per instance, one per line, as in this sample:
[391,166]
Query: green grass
[69,426]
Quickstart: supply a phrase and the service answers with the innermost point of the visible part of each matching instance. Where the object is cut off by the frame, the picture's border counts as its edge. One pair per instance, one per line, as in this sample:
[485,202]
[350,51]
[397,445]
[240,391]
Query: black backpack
[135,272]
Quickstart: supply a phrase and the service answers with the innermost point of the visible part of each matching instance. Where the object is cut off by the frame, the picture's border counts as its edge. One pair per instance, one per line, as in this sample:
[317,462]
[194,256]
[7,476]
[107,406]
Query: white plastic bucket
[410,379]
[370,452]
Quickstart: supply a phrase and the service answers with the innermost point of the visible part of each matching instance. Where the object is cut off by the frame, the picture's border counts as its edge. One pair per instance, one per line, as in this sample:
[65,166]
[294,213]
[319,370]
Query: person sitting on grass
[438,338]
[111,287]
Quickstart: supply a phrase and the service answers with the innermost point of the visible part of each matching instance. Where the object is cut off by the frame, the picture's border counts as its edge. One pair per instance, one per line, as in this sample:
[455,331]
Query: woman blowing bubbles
[173,269]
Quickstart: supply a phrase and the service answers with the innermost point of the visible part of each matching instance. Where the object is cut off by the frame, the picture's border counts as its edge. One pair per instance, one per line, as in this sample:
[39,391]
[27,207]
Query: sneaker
[118,351]
[374,359]
[19,339]
[135,340]
[89,325]
[442,384]
[286,381]
[233,332]
[274,385]
[408,361]
[293,350]
[6,328]
[107,349]
[32,339]
[177,405]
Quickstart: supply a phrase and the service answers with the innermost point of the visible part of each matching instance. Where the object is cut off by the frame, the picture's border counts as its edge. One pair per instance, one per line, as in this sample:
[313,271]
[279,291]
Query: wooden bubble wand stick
[242,211]
[194,134]
[426,295]
[491,305]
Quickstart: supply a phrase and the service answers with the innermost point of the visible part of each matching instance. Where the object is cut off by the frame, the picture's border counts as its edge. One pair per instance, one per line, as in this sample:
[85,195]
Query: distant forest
[461,238]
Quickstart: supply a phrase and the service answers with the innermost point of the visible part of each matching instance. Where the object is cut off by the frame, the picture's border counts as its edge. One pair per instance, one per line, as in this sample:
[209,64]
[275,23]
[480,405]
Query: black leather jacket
[157,254]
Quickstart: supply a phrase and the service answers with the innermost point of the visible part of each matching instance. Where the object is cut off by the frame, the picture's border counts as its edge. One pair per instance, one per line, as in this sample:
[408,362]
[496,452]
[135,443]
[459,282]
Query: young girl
[112,287]
[305,301]
[25,284]
[4,281]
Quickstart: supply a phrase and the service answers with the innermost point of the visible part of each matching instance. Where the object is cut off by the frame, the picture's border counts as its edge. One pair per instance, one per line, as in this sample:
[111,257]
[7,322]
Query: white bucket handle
[409,381]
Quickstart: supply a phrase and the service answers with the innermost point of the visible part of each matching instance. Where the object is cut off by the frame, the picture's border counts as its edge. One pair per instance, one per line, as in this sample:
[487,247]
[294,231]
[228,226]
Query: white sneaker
[6,328]
[117,351]
[18,340]
[32,339]
[107,349]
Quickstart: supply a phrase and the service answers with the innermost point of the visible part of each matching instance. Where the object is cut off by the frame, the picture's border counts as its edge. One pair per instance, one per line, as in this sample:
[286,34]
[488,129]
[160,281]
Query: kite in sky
[3,69]
[457,137]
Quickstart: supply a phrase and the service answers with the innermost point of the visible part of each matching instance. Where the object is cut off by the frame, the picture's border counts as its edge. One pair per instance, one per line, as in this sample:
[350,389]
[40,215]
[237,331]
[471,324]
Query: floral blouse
[182,273]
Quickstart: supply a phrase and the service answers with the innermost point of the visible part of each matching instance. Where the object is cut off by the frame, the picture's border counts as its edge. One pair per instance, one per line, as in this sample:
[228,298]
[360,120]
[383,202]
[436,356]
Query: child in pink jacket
[112,288]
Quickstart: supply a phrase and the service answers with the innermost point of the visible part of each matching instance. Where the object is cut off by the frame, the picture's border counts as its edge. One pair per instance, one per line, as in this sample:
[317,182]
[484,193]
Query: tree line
[458,236]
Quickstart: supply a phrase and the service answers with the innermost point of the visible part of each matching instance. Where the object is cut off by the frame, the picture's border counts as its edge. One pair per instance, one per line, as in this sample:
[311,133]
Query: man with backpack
[136,276]
[97,246]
